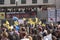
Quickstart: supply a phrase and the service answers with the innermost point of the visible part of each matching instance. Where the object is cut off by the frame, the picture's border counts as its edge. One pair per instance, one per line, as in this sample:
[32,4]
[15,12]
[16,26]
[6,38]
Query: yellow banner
[2,15]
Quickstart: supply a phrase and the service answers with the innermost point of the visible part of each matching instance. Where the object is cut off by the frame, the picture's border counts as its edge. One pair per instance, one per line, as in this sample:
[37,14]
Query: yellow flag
[4,24]
[7,22]
[36,20]
[43,25]
[28,22]
[40,22]
[24,18]
[7,26]
[16,23]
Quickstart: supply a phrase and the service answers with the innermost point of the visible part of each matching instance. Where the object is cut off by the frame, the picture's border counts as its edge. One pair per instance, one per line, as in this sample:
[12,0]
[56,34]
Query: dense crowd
[27,31]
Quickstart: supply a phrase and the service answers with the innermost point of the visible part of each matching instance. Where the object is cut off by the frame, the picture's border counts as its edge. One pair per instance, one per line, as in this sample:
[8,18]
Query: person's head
[23,29]
[5,34]
[25,34]
[45,31]
[4,29]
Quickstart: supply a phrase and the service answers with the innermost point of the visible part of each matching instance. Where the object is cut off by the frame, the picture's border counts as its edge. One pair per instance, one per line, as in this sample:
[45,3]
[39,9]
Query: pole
[16,4]
[55,12]
[5,12]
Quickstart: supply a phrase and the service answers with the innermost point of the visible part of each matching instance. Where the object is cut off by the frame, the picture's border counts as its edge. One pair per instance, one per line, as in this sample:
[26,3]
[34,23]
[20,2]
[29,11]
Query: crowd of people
[28,31]
[18,10]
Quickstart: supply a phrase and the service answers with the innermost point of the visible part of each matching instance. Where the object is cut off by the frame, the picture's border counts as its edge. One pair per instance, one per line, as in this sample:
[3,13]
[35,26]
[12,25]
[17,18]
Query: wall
[58,4]
[29,2]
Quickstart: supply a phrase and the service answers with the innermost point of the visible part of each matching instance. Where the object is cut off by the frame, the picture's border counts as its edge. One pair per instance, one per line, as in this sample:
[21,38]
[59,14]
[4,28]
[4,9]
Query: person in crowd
[4,36]
[0,33]
[37,32]
[26,36]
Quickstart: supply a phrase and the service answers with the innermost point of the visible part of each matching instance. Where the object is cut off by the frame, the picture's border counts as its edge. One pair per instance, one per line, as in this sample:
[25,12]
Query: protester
[29,31]
[4,36]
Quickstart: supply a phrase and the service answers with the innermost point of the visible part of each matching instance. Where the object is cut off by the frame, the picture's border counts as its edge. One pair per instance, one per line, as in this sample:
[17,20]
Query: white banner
[58,14]
[51,15]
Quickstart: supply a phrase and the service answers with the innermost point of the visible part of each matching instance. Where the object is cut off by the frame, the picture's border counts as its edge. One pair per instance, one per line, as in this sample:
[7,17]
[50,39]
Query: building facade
[39,8]
[25,2]
[57,4]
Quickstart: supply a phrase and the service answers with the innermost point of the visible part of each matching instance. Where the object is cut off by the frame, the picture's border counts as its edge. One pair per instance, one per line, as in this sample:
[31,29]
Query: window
[12,1]
[34,1]
[45,1]
[1,1]
[23,1]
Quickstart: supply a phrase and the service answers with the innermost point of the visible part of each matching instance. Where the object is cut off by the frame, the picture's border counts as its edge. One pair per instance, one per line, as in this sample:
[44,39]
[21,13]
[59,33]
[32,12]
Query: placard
[21,21]
[2,15]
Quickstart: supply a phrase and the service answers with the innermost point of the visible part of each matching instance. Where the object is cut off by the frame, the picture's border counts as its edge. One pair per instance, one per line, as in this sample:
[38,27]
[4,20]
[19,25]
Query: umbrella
[15,18]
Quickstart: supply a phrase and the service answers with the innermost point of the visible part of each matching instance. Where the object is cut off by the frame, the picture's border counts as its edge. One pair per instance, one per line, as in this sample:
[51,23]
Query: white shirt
[25,39]
[48,37]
